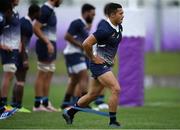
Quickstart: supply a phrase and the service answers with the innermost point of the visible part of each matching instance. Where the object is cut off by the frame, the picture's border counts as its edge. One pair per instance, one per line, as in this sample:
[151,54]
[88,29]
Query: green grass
[157,64]
[161,110]
[162,64]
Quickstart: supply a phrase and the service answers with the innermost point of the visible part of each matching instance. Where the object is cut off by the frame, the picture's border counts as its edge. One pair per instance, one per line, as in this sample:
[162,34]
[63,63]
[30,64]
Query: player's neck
[51,3]
[112,22]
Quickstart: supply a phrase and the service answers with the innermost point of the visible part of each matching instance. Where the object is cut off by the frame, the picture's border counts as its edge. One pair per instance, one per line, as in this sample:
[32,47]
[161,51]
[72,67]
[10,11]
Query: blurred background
[157,21]
[148,65]
[152,26]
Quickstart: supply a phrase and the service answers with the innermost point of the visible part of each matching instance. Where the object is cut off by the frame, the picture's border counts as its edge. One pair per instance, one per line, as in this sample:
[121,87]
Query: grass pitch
[161,110]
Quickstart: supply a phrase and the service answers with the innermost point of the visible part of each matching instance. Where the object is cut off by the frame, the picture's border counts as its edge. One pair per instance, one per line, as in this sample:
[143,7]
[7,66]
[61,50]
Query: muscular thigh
[108,80]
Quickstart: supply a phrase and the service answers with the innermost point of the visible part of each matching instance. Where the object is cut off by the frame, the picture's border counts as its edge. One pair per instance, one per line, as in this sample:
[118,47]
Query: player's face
[90,16]
[15,2]
[119,16]
[57,3]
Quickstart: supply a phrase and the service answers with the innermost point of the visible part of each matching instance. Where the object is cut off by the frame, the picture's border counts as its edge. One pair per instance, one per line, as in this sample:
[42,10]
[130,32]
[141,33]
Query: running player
[107,37]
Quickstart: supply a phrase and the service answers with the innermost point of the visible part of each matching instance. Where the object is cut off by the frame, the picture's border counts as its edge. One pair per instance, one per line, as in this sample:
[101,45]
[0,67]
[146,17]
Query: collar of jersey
[82,19]
[113,26]
[29,19]
[49,5]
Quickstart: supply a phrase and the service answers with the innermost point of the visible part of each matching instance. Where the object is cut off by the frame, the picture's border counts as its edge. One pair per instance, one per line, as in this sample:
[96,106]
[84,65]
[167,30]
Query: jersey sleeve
[23,29]
[101,35]
[74,28]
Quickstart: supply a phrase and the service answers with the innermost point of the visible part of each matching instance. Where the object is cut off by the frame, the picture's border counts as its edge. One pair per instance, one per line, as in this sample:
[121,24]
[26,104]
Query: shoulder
[104,25]
[45,9]
[76,23]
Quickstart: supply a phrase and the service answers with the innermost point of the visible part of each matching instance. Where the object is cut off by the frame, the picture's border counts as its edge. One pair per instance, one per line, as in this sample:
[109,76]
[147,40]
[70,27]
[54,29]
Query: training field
[161,110]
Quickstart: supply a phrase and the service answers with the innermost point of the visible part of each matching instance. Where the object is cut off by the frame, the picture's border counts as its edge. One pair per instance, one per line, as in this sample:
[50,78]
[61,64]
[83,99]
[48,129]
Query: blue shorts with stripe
[75,62]
[99,69]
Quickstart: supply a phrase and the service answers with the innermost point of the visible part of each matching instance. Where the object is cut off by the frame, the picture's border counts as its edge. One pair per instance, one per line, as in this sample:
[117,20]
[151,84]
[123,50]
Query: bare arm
[72,40]
[88,45]
[37,30]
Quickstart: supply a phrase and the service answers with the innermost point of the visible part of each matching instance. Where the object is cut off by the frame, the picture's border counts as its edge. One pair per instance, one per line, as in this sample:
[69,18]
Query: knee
[116,90]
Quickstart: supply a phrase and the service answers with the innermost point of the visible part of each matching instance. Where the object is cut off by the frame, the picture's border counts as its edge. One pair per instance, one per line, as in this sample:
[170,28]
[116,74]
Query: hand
[98,60]
[50,48]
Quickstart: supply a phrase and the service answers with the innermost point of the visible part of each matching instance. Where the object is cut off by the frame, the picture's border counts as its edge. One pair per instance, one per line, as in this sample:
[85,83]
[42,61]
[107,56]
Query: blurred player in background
[22,68]
[107,36]
[45,30]
[9,44]
[76,61]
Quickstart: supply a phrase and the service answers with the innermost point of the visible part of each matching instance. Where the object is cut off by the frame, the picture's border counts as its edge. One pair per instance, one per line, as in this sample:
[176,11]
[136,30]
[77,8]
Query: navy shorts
[42,52]
[9,57]
[75,62]
[99,69]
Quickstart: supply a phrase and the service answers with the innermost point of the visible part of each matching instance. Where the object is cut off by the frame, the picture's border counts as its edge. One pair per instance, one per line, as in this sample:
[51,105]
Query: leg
[108,79]
[72,83]
[7,78]
[46,87]
[82,87]
[39,87]
[94,90]
[18,89]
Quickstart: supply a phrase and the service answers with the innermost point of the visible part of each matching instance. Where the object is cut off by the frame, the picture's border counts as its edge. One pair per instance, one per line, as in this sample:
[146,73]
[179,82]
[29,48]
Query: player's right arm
[72,40]
[37,30]
[88,48]
[73,30]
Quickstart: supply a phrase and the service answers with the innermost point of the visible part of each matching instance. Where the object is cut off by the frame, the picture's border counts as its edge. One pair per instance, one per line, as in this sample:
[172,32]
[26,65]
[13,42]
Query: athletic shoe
[51,108]
[9,107]
[103,106]
[96,108]
[67,117]
[24,110]
[8,113]
[40,109]
[114,124]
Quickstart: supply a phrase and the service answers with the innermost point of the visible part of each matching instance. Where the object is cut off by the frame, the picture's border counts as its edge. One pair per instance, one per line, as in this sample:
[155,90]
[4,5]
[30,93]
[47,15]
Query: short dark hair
[34,8]
[87,7]
[112,8]
[5,5]
[105,8]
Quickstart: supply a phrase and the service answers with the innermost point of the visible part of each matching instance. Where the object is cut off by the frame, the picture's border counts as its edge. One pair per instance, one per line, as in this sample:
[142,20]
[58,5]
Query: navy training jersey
[80,31]
[11,32]
[26,29]
[49,21]
[108,39]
